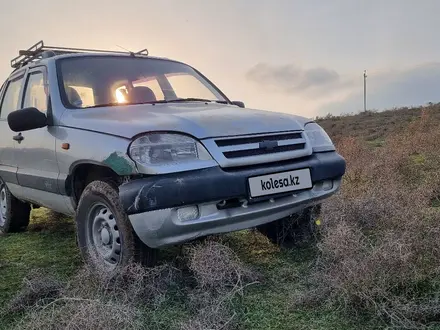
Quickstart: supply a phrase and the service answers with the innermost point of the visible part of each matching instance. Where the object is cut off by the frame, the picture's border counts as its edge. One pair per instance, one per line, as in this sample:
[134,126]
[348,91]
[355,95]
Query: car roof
[48,60]
[56,57]
[41,54]
[76,55]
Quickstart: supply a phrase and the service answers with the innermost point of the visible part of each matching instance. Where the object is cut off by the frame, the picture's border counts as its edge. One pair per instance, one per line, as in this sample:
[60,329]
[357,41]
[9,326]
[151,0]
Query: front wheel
[105,235]
[14,214]
[296,229]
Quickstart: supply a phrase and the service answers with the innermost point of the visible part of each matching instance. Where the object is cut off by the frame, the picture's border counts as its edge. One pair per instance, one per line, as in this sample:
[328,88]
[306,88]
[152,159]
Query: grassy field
[264,305]
[375,264]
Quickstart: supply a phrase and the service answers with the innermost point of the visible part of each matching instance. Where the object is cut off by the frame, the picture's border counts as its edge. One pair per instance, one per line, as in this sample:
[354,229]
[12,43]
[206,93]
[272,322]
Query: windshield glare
[103,80]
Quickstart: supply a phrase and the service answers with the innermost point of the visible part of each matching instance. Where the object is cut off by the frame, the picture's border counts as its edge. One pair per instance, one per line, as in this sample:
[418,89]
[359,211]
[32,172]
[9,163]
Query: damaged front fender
[120,163]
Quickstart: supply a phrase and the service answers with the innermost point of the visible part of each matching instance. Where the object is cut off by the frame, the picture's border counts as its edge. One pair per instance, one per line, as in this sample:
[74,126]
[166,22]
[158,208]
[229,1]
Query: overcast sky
[295,56]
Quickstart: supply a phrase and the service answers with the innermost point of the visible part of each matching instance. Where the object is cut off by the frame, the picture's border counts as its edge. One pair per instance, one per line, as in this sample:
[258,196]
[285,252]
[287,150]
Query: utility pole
[365,90]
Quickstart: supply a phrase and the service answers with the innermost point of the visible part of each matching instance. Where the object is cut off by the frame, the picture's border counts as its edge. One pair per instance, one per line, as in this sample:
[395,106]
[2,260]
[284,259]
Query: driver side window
[11,98]
[35,94]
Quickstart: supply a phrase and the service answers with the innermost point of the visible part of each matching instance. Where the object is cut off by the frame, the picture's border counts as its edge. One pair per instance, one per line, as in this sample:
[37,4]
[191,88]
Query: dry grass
[380,249]
[220,278]
[94,299]
[38,287]
[213,314]
[79,314]
[374,126]
[133,284]
[217,268]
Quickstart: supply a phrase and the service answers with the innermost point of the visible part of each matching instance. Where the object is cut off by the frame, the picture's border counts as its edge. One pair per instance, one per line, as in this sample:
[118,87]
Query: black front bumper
[215,184]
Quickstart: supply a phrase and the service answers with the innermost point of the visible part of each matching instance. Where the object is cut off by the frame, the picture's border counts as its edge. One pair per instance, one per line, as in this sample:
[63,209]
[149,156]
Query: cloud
[325,91]
[411,87]
[290,78]
[317,77]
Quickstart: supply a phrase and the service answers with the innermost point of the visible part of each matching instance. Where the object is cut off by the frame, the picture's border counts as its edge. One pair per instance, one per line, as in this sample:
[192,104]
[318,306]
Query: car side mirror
[238,104]
[26,119]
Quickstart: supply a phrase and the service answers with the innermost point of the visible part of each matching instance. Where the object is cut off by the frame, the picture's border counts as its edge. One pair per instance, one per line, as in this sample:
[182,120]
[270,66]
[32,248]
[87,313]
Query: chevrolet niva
[146,152]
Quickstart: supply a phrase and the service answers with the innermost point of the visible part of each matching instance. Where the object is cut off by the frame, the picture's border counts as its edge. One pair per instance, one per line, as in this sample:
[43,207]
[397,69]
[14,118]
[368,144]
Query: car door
[10,97]
[37,167]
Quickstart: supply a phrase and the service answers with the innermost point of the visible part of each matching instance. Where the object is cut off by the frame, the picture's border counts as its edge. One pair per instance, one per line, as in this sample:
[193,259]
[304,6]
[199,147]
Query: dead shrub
[306,297]
[210,311]
[94,298]
[38,287]
[97,299]
[217,268]
[145,285]
[379,248]
[412,314]
[357,156]
[82,314]
[133,284]
[220,277]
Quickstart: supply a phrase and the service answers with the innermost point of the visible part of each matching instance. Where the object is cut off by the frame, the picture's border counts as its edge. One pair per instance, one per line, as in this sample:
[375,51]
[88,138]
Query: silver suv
[146,152]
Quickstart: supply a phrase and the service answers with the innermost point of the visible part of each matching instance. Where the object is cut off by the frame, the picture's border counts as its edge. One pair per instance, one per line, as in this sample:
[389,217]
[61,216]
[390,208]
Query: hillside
[375,126]
[372,263]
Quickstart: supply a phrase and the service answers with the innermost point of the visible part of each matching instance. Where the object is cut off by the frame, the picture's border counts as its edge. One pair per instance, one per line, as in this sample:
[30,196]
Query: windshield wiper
[190,99]
[101,105]
[113,104]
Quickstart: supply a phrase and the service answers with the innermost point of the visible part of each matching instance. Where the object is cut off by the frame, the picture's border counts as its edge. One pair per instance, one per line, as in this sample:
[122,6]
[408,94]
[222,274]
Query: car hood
[200,120]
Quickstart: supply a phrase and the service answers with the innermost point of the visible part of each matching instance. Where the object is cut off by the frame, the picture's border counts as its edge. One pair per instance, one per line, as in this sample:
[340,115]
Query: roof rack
[39,51]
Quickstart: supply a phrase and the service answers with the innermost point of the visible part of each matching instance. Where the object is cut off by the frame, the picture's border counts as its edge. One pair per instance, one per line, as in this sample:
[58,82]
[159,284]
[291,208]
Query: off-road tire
[294,230]
[131,247]
[16,213]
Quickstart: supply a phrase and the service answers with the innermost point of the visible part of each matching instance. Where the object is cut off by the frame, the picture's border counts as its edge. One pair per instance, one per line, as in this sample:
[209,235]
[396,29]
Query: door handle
[18,138]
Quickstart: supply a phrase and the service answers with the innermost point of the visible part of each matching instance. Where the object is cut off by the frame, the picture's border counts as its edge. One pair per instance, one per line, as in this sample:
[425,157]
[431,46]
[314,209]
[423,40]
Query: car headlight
[318,138]
[157,149]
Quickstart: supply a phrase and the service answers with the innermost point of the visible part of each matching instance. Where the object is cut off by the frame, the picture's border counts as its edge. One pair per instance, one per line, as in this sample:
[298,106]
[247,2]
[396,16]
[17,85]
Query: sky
[303,57]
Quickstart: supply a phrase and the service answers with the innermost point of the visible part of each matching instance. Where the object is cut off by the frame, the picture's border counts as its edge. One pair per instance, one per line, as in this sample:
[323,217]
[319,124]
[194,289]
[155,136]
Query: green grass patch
[43,248]
[377,143]
[267,308]
[20,252]
[418,159]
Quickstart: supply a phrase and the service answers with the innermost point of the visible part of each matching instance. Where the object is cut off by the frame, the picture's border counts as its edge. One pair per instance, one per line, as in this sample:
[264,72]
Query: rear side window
[35,95]
[11,100]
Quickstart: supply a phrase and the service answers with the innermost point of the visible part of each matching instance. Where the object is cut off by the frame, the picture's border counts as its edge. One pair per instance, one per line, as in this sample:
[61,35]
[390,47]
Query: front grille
[247,150]
[257,152]
[241,147]
[257,139]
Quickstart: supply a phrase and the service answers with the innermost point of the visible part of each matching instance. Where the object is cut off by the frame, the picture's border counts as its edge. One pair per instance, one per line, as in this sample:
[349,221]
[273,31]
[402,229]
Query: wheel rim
[3,205]
[103,234]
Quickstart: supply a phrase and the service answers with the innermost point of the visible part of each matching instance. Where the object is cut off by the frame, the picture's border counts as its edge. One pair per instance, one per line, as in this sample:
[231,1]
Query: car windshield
[95,81]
